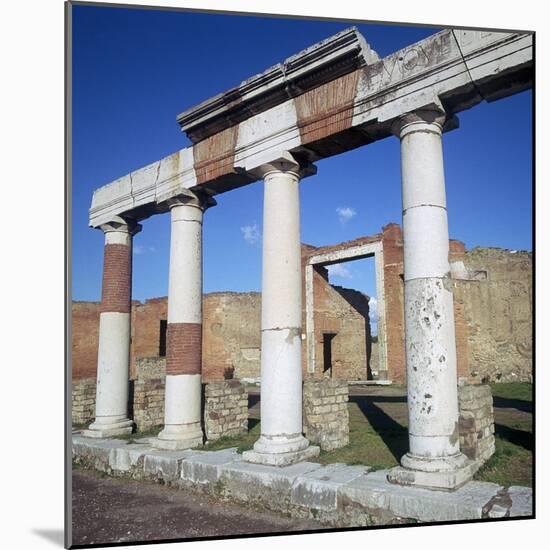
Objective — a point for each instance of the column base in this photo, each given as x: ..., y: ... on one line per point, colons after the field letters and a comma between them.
x: 179, y: 438
x: 280, y: 451
x: 102, y: 428
x: 443, y: 474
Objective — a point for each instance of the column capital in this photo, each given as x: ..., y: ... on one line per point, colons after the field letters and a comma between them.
x: 428, y: 119
x: 121, y: 225
x: 283, y: 162
x: 197, y: 199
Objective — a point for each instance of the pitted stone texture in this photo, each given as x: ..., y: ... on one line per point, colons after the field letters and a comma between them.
x: 325, y: 413
x: 476, y: 422
x: 522, y: 501
x: 225, y: 409
x: 319, y: 489
x: 96, y: 453
x: 373, y: 491
x: 166, y: 465
x: 205, y: 468
x: 268, y: 485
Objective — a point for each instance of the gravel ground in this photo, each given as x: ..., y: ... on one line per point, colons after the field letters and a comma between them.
x: 120, y: 510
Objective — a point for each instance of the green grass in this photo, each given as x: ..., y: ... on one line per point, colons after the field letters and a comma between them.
x: 513, y: 390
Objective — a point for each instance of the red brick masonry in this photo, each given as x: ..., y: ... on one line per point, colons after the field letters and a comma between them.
x: 183, y: 348
x: 117, y: 278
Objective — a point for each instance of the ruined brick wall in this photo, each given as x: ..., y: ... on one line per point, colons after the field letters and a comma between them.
x: 498, y: 311
x: 476, y: 422
x: 225, y: 409
x: 341, y: 320
x: 325, y: 413
x: 85, y: 335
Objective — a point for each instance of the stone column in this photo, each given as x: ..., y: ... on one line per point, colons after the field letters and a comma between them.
x: 281, y: 441
x: 182, y: 414
x: 434, y: 458
x: 111, y: 416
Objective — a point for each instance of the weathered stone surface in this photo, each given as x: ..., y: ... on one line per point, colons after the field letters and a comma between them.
x: 319, y: 489
x: 126, y: 458
x: 270, y: 485
x: 522, y: 501
x: 373, y: 491
x: 83, y: 400
x: 206, y: 467
x: 165, y: 465
x: 96, y: 453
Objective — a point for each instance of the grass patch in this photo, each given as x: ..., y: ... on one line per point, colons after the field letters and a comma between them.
x: 510, y: 465
x: 243, y: 442
x: 513, y: 390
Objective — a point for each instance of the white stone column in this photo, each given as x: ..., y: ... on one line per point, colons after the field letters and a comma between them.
x: 281, y: 441
x: 182, y: 415
x: 434, y: 458
x: 113, y: 359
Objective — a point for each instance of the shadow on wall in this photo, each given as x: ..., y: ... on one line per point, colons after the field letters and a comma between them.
x: 360, y: 303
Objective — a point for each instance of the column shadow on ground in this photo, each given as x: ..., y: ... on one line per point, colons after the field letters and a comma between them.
x: 517, y: 437
x: 394, y: 435
x: 507, y: 403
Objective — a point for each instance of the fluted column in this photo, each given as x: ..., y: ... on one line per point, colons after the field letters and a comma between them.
x: 114, y: 332
x: 434, y: 458
x: 182, y: 415
x: 281, y: 441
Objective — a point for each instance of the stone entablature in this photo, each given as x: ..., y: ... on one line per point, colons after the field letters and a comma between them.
x: 451, y: 70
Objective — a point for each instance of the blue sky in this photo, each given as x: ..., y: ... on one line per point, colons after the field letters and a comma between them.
x: 135, y: 70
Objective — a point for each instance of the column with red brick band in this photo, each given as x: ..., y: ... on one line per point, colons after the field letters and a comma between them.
x: 113, y: 359
x: 434, y: 458
x: 182, y: 416
x: 281, y: 441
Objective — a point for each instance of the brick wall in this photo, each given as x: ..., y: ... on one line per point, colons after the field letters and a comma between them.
x: 85, y: 337
x: 225, y: 409
x: 476, y: 422
x: 325, y: 413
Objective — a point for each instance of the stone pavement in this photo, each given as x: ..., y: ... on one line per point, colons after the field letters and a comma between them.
x: 335, y: 494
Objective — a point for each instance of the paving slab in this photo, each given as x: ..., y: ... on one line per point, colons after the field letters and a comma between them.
x: 98, y: 451
x: 522, y: 501
x: 205, y: 468
x: 271, y: 484
x: 166, y: 465
x: 374, y: 491
x: 319, y: 488
x: 125, y: 457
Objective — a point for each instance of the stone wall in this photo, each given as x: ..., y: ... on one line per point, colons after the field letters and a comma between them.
x: 225, y: 409
x: 499, y: 311
x: 148, y: 403
x: 83, y: 400
x: 476, y: 422
x: 325, y: 413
